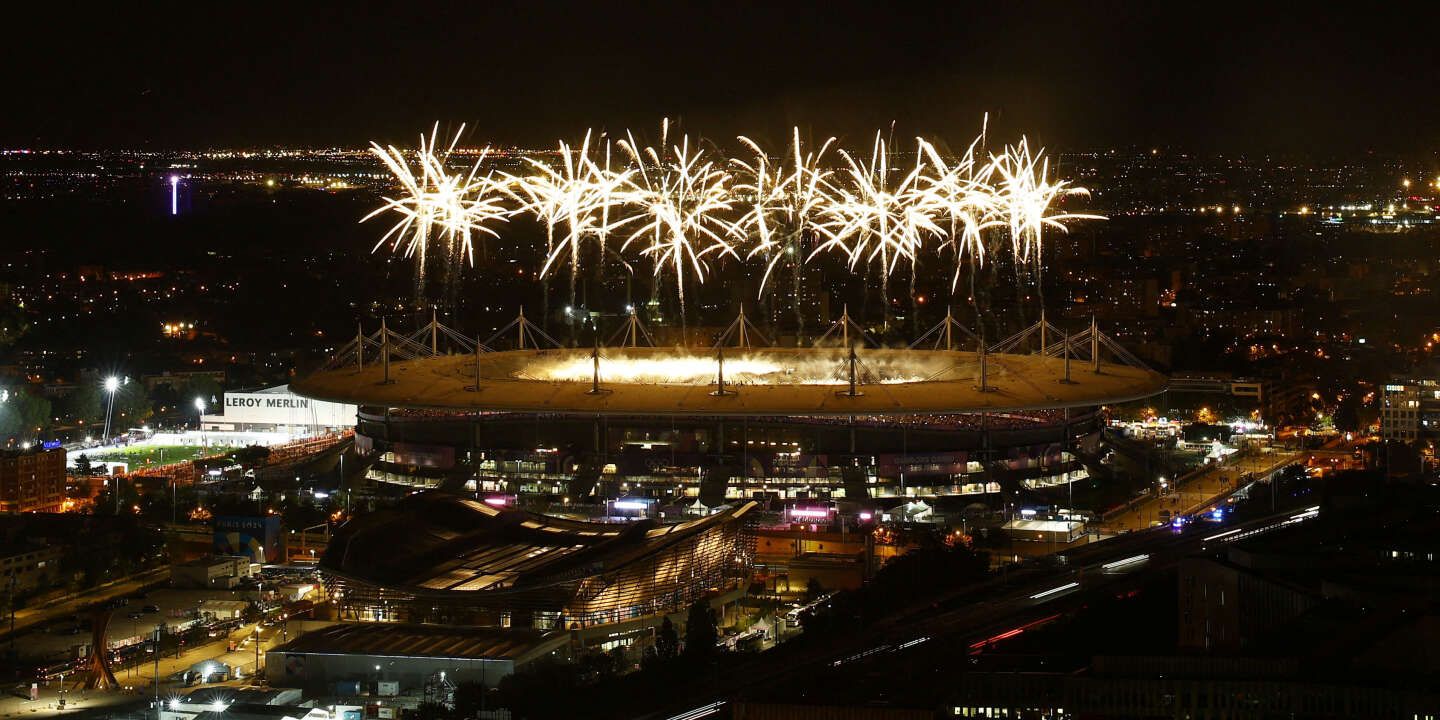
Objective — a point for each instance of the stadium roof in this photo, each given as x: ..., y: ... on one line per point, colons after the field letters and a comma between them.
x: 1015, y: 382
x: 436, y: 542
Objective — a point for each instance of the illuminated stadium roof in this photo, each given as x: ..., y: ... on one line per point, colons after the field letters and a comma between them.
x: 770, y: 381
x: 436, y: 547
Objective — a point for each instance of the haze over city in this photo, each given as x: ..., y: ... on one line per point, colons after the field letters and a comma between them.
x: 632, y: 360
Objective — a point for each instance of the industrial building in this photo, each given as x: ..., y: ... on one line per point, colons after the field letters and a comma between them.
x: 347, y: 658
x: 210, y: 572
x: 278, y: 410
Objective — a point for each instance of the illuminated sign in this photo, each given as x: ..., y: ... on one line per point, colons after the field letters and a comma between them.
x: 632, y: 504
x: 809, y: 512
x: 281, y: 407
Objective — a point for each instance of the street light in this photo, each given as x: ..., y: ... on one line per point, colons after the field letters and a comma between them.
x: 200, y: 419
x: 112, y: 384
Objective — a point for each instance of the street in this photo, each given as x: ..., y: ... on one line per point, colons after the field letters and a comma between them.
x: 31, y: 616
x: 137, y: 681
x: 1199, y: 490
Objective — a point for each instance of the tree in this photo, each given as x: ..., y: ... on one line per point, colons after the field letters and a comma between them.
x: 430, y: 711
x: 23, y: 414
x: 470, y: 699
x: 667, y: 642
x: 252, y: 456
x: 85, y: 403
x: 544, y: 688
x: 83, y: 466
x: 700, y: 630
x: 13, y: 323
x: 132, y: 406
x: 813, y: 590
x: 203, y: 387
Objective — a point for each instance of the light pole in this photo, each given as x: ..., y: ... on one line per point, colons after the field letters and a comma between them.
x: 158, y: 629
x: 200, y: 420
x: 112, y: 384
x: 1159, y: 496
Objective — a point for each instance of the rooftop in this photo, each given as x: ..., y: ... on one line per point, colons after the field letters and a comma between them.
x: 411, y: 641
x: 437, y: 542
x: 802, y: 381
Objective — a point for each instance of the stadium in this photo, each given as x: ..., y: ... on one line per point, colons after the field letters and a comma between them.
x: 618, y: 441
x: 656, y: 426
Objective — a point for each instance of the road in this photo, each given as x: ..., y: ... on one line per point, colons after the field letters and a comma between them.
x: 138, y: 681
x: 1201, y: 489
x: 31, y: 616
x: 242, y: 658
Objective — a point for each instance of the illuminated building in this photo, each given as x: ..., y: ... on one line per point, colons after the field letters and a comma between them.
x: 442, y: 558
x: 32, y: 480
x: 1410, y: 410
x: 783, y: 423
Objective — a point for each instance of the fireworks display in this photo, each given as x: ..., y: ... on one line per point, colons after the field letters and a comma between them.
x: 680, y: 201
x: 578, y: 195
x: 753, y: 367
x: 438, y: 206
x: 785, y: 201
x: 875, y: 217
x: 681, y: 207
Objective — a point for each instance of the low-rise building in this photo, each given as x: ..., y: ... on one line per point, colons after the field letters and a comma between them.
x: 211, y: 571
x: 224, y: 609
x: 277, y: 409
x: 366, y: 654
x: 29, y: 568
x: 240, y: 701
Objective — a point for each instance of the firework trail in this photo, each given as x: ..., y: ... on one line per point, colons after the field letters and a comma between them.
x: 438, y: 206
x: 677, y: 203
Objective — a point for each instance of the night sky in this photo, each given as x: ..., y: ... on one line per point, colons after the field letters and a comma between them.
x: 1200, y: 76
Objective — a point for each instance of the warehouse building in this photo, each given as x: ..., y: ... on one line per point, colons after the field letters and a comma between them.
x: 278, y: 410
x: 345, y: 658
